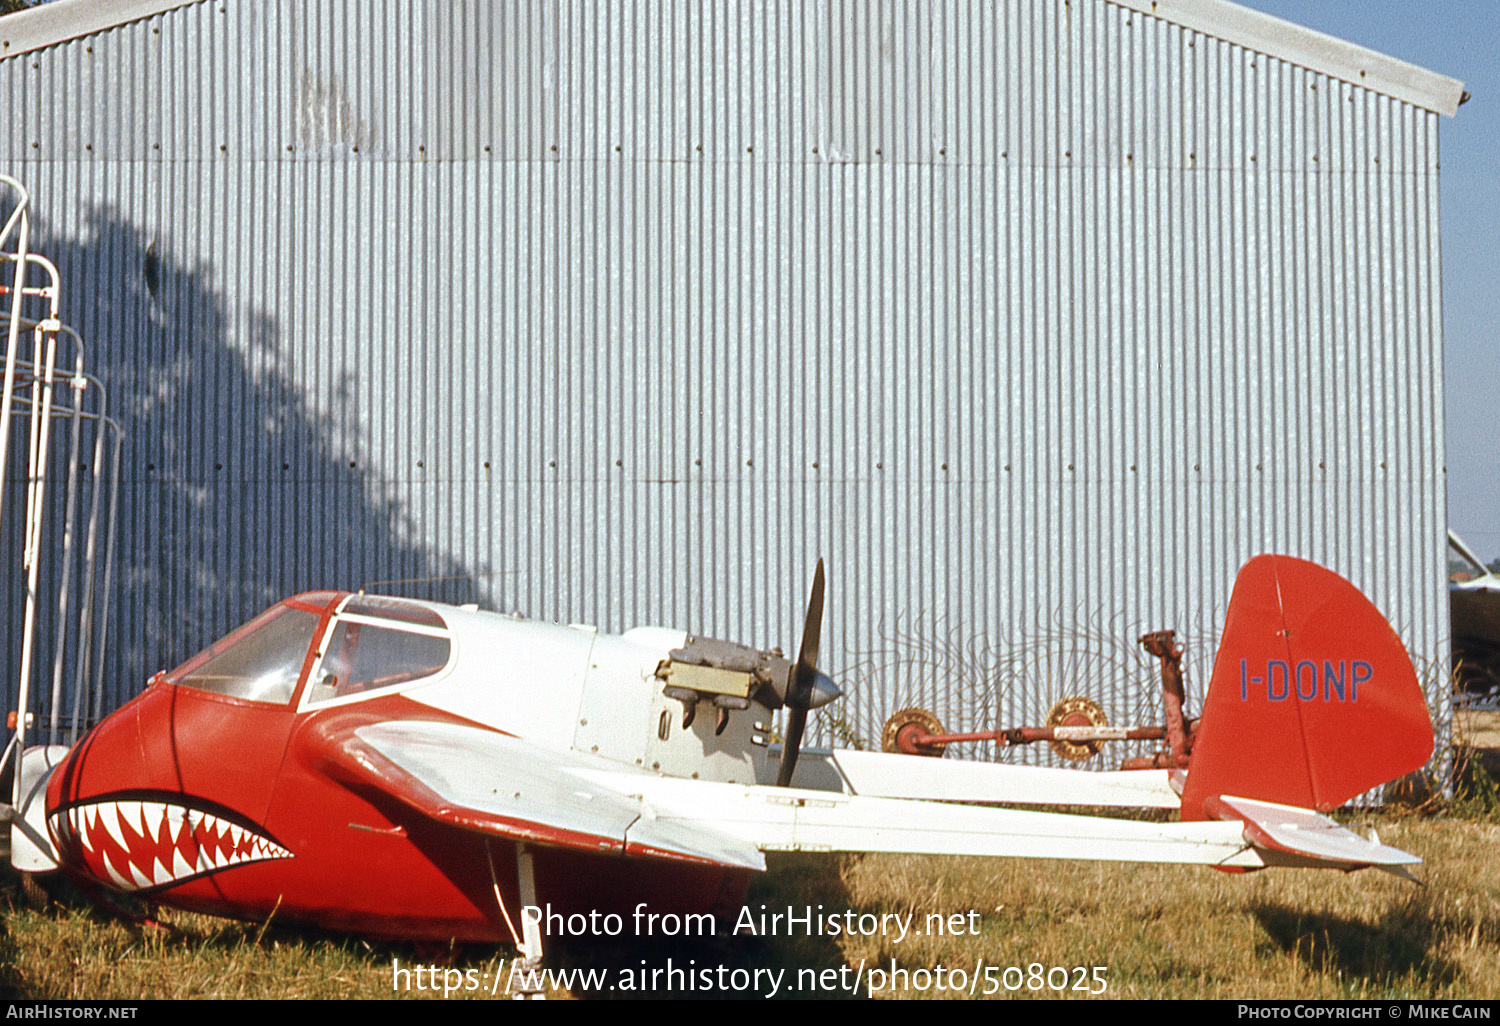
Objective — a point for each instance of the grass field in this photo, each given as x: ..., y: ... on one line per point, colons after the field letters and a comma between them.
x: 1161, y: 932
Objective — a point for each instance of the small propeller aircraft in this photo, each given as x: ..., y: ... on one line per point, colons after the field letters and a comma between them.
x: 408, y: 770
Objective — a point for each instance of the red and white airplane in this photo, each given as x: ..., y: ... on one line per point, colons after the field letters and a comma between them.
x: 403, y: 769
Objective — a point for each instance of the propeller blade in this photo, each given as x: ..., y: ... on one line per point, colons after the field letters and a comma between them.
x: 796, y: 719
x: 812, y: 627
x: 804, y: 678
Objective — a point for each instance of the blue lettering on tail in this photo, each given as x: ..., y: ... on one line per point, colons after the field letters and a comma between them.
x: 1312, y: 680
x: 1337, y: 681
x: 1272, y: 692
x: 1333, y: 680
x: 1360, y: 671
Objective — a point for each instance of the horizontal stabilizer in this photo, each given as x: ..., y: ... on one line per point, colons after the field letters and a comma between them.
x: 1287, y: 835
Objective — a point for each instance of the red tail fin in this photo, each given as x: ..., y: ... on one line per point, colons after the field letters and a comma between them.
x: 1313, y: 698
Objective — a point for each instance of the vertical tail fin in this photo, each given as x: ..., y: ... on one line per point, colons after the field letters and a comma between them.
x: 1313, y: 698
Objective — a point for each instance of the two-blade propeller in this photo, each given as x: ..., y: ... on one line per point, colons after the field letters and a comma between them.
x: 806, y: 688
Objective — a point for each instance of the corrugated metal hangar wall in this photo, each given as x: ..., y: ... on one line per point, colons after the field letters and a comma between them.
x: 1036, y: 319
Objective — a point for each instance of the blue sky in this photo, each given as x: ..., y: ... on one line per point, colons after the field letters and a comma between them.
x: 1461, y: 39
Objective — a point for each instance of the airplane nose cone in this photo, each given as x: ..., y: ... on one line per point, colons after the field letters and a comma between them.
x: 108, y: 758
x: 824, y: 690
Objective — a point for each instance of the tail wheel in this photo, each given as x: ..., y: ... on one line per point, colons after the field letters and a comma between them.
x: 1077, y: 712
x: 903, y: 730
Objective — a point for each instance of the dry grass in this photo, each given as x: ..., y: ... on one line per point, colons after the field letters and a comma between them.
x: 1163, y: 932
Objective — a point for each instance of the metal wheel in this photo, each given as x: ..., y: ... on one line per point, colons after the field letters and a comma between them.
x: 902, y: 730
x: 1077, y: 712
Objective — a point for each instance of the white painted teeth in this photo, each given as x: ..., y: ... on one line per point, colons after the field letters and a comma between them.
x: 110, y: 814
x: 156, y: 835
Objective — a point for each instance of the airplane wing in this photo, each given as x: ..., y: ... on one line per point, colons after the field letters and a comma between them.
x: 479, y: 780
x: 493, y: 783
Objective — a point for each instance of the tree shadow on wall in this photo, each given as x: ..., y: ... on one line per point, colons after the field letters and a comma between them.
x: 235, y: 489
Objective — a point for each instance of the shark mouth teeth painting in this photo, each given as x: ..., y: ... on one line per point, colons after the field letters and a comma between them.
x: 141, y: 844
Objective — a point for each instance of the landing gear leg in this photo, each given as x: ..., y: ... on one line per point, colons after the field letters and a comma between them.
x: 530, y: 972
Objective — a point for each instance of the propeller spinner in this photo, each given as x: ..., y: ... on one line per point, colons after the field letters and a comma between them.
x: 806, y: 688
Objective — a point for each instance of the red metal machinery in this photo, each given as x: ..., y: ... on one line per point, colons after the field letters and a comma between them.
x: 1076, y: 728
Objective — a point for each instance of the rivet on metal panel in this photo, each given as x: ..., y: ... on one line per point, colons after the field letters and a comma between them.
x: 879, y: 466
x: 551, y: 463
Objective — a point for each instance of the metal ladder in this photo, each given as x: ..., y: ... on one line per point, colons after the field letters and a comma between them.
x: 36, y: 388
